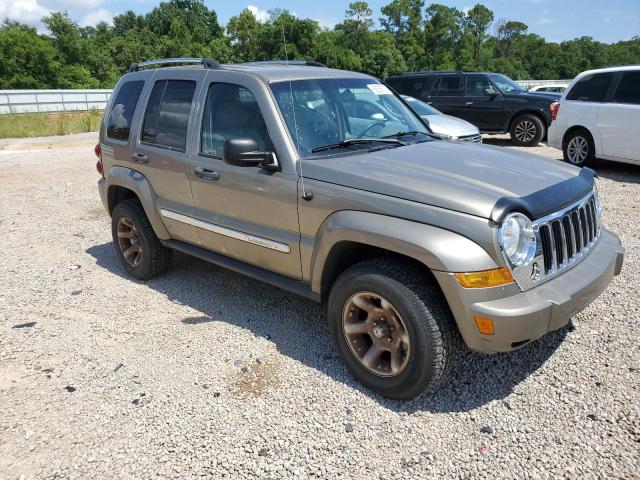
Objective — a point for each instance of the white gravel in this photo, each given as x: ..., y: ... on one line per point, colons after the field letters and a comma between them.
x: 206, y: 373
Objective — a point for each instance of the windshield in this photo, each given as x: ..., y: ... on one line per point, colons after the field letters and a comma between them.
x: 324, y: 112
x: 505, y: 84
x: 420, y: 107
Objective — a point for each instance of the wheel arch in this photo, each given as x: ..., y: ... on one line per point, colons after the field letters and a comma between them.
x: 348, y: 237
x: 575, y: 128
x: 529, y: 111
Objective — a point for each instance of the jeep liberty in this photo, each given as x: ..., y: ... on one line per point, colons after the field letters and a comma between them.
x: 414, y: 244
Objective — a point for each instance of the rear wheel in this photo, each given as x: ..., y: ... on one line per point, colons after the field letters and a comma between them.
x: 392, y: 327
x: 137, y: 245
x: 527, y: 130
x: 579, y: 149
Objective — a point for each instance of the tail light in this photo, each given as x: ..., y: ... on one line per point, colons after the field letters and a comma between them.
x: 555, y: 107
x: 98, y: 152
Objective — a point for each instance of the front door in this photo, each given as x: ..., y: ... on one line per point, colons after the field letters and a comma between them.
x: 248, y: 213
x: 161, y: 154
x: 484, y: 105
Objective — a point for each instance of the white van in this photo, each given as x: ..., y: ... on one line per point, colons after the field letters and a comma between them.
x: 598, y: 116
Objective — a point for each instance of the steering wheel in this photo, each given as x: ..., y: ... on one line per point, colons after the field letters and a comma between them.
x: 382, y: 123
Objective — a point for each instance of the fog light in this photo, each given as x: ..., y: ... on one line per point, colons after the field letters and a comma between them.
x: 484, y: 324
x: 486, y: 278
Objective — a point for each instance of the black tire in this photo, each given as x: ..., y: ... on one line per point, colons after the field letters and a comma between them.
x: 579, y: 149
x: 434, y: 337
x: 527, y: 130
x: 154, y: 258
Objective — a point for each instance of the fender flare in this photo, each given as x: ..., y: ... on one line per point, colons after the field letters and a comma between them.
x: 138, y: 184
x: 436, y: 248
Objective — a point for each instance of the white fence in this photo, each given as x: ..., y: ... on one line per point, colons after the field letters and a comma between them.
x: 32, y: 101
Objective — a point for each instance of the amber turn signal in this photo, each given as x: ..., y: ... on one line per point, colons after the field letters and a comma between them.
x: 486, y: 278
x: 484, y: 324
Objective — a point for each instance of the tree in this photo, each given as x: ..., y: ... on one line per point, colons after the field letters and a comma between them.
x: 403, y: 19
x: 476, y: 23
x: 442, y: 32
x: 202, y: 23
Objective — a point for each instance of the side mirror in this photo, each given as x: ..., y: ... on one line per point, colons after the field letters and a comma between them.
x: 244, y: 152
x: 377, y: 116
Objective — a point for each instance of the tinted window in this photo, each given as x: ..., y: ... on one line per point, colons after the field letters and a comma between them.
x: 449, y: 86
x: 231, y: 111
x: 628, y: 90
x: 122, y: 110
x: 591, y: 88
x: 418, y: 86
x: 477, y: 86
x: 167, y: 115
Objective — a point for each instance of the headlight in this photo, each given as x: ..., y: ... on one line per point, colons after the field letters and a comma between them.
x: 517, y: 239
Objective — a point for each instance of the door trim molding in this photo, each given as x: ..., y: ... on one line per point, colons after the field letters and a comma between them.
x: 227, y: 232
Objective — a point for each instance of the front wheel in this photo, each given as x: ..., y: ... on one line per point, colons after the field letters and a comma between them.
x: 392, y: 327
x: 527, y: 130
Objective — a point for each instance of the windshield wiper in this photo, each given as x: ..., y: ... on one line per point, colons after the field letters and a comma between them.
x: 356, y: 141
x: 405, y: 134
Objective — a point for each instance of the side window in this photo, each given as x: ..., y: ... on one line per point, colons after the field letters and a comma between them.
x: 449, y: 86
x: 628, y: 90
x: 591, y: 88
x: 124, y: 106
x: 231, y: 111
x: 477, y: 86
x: 167, y: 115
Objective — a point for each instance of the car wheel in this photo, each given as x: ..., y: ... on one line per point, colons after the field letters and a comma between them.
x: 579, y: 149
x: 137, y: 246
x: 527, y: 130
x: 393, y: 328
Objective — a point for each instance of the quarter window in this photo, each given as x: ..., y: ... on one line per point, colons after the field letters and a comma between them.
x: 122, y: 110
x: 592, y: 88
x: 449, y: 86
x: 628, y: 90
x: 231, y: 111
x: 167, y: 115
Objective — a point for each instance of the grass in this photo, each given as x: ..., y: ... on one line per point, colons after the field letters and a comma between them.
x: 47, y: 124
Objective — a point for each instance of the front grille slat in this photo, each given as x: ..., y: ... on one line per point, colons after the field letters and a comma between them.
x: 567, y: 235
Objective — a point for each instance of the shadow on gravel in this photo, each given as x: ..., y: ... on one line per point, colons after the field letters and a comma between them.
x: 298, y: 328
x: 619, y: 172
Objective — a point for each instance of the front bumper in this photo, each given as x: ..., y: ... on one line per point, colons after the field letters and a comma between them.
x: 520, y: 317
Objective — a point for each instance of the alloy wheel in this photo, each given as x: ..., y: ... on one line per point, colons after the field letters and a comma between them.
x: 578, y: 150
x: 525, y: 131
x: 376, y: 334
x: 129, y: 241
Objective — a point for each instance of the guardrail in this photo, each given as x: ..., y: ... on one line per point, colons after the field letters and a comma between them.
x: 34, y: 101
x: 534, y: 83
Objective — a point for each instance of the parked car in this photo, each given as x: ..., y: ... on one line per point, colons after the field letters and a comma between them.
x: 491, y: 101
x: 598, y: 116
x: 444, y: 126
x: 551, y: 88
x: 413, y: 243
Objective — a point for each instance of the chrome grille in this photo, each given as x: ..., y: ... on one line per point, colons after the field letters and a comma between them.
x: 563, y: 239
x: 566, y: 235
x: 477, y: 138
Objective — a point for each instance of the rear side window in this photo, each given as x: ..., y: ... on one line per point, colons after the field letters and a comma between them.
x: 449, y: 86
x: 417, y: 87
x: 167, y: 115
x: 592, y: 88
x: 122, y: 110
x: 628, y: 90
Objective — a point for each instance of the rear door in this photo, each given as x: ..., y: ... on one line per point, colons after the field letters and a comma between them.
x: 484, y: 105
x: 619, y: 119
x: 160, y: 153
x: 446, y: 95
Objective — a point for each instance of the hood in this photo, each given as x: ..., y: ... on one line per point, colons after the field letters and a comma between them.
x: 464, y: 177
x: 549, y: 97
x: 446, y: 125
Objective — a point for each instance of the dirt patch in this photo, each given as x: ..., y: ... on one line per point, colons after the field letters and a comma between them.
x: 257, y: 378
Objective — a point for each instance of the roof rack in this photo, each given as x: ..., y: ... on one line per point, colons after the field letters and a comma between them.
x: 307, y: 63
x: 210, y: 64
x: 432, y: 71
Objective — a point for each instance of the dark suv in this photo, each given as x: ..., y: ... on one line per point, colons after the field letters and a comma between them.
x: 491, y: 101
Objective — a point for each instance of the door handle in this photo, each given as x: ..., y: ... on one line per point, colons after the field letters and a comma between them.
x: 468, y: 103
x: 140, y: 158
x: 429, y: 103
x: 206, y: 173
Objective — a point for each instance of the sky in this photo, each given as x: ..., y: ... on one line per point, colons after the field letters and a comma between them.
x: 556, y: 20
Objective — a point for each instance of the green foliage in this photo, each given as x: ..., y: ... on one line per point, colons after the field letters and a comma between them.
x: 413, y: 36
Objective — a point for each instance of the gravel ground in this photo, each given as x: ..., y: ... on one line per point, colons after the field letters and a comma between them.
x: 206, y: 373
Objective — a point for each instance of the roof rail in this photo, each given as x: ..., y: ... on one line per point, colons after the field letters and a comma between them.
x: 210, y: 64
x: 307, y: 63
x: 431, y: 71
